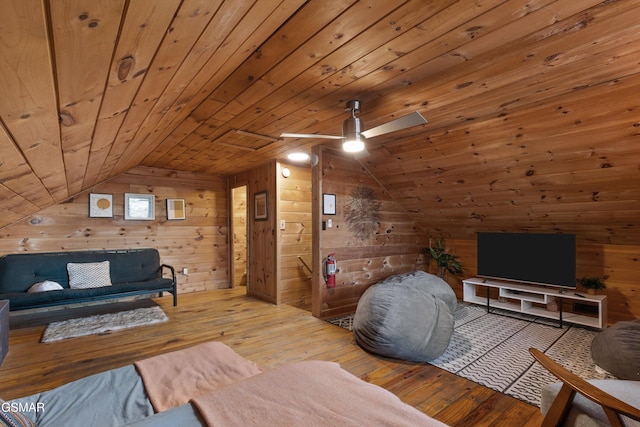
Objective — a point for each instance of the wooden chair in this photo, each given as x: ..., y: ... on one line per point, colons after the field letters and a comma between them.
x: 572, y: 384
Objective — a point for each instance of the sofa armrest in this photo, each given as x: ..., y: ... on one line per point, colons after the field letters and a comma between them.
x: 173, y: 279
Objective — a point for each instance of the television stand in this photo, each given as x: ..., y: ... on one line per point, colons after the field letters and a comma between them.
x: 532, y: 300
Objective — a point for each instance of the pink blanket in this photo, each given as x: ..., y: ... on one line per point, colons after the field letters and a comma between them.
x: 312, y: 393
x: 172, y: 379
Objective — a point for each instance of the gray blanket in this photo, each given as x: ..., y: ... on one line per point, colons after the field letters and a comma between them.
x: 91, y: 401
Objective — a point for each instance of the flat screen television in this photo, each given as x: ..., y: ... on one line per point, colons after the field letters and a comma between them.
x: 535, y: 258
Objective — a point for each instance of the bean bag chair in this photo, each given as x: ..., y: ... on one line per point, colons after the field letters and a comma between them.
x: 617, y: 350
x: 407, y: 316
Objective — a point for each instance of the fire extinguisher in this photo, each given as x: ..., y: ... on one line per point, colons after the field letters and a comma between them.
x: 329, y: 270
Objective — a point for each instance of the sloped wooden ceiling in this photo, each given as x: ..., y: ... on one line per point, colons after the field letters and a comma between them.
x: 532, y: 105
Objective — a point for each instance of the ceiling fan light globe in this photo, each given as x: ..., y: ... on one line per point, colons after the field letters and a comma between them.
x: 351, y: 129
x: 353, y: 145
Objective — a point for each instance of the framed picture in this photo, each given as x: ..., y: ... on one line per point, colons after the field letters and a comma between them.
x: 139, y: 206
x: 328, y: 204
x: 100, y: 205
x: 260, y: 211
x: 176, y: 209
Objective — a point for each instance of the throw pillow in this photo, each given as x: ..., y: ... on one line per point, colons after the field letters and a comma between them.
x: 45, y: 286
x: 10, y: 417
x: 88, y: 275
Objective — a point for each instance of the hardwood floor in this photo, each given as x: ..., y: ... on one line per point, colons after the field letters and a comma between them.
x: 267, y: 334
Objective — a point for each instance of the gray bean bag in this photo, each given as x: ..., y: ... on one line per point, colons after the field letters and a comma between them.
x: 407, y: 316
x: 617, y: 350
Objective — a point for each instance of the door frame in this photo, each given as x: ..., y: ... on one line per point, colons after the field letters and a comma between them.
x: 232, y: 227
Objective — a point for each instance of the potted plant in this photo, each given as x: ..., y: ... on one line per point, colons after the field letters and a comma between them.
x: 446, y: 262
x: 591, y: 284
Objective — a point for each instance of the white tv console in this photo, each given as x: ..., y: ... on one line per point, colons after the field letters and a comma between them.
x: 532, y: 300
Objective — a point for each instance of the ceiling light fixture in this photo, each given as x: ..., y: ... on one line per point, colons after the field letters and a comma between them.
x: 298, y: 157
x: 303, y: 157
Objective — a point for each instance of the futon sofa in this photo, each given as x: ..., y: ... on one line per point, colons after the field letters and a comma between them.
x: 34, y: 280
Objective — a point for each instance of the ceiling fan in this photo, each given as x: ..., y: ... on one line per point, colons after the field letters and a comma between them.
x: 353, y: 134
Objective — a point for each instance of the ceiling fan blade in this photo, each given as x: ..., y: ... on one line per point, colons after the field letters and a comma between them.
x: 308, y: 135
x: 404, y: 122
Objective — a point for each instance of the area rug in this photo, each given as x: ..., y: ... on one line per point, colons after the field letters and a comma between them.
x: 493, y: 350
x: 103, y: 323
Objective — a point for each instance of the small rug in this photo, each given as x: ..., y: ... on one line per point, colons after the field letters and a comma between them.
x: 493, y: 350
x: 103, y: 323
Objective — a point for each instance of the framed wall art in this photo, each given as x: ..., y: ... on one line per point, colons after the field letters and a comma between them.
x: 139, y: 206
x: 176, y: 209
x: 100, y: 205
x: 260, y: 205
x: 328, y: 204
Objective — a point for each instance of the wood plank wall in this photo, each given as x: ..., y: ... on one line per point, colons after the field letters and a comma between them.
x: 200, y: 242
x: 394, y: 248
x: 294, y: 200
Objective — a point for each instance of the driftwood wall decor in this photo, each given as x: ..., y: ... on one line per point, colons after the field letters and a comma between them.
x: 362, y: 212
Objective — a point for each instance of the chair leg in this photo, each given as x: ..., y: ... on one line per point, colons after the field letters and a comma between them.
x: 559, y: 408
x: 613, y: 417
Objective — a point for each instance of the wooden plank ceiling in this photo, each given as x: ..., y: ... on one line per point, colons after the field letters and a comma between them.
x: 532, y: 104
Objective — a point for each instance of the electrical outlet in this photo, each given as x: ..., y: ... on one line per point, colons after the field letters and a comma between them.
x: 185, y: 270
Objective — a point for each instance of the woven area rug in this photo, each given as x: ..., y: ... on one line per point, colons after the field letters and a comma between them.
x: 103, y: 323
x: 493, y: 350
